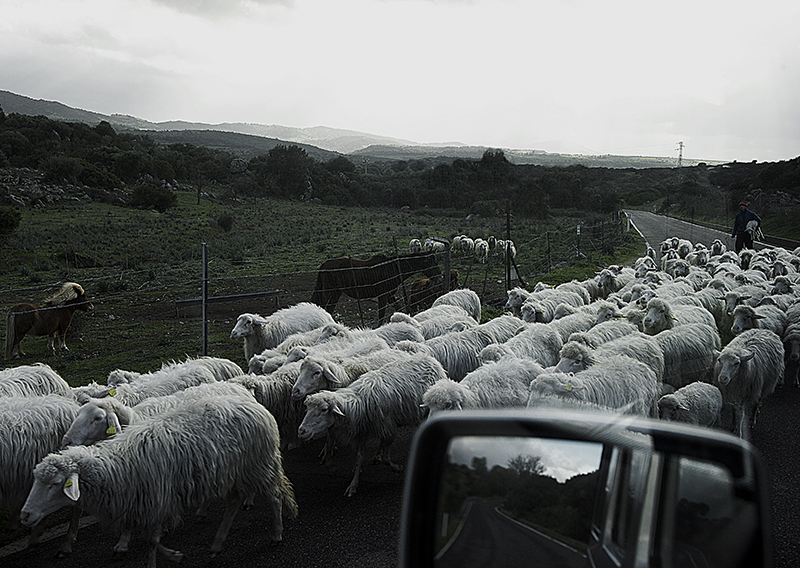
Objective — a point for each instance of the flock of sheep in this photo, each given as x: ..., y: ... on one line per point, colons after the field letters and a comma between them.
x: 703, y: 337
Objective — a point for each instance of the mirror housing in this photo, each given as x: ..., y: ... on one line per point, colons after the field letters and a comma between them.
x: 664, y: 494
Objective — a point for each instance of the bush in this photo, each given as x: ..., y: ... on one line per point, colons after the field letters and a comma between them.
x: 9, y: 220
x: 225, y: 222
x: 152, y: 196
x: 58, y: 169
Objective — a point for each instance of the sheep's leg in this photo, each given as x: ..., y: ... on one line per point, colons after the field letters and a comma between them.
x: 234, y: 504
x: 326, y: 455
x: 351, y: 489
x: 124, y: 540
x: 202, y: 510
x: 277, y: 519
x: 248, y: 503
x: 72, y: 533
x: 384, y: 455
x: 155, y: 546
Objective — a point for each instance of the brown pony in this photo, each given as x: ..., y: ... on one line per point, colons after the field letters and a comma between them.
x: 51, y: 319
x: 377, y: 277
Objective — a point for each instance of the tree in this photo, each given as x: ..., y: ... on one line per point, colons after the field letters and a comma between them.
x: 526, y: 465
x: 9, y: 220
x: 286, y: 169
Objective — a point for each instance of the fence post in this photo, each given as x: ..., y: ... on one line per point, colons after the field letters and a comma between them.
x: 204, y: 299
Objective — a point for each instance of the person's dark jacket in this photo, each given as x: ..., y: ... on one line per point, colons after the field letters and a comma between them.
x: 742, y: 218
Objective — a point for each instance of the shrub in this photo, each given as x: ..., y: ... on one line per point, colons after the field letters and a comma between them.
x: 9, y: 220
x: 225, y: 222
x: 152, y: 196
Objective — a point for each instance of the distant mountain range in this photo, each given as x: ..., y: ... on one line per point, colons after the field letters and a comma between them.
x: 320, y: 142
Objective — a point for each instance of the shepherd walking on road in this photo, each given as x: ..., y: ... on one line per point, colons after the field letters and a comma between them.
x: 744, y: 227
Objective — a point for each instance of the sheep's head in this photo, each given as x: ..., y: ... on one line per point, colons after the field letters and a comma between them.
x: 322, y: 408
x: 669, y: 407
x: 729, y: 366
x: 246, y: 325
x: 744, y: 318
x: 659, y: 316
x: 575, y: 357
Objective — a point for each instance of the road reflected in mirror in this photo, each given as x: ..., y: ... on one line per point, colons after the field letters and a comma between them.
x: 517, y: 502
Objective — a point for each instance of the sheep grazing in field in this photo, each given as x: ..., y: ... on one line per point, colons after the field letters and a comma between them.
x: 760, y: 317
x: 32, y: 380
x: 260, y: 333
x: 746, y: 372
x: 621, y: 383
x: 218, y: 368
x: 373, y: 407
x: 697, y: 403
x: 147, y: 477
x: 493, y: 385
x: 437, y: 321
x: 323, y: 373
x: 101, y: 418
x: 31, y: 427
x: 464, y: 298
x: 577, y: 357
x: 662, y: 315
x: 274, y: 392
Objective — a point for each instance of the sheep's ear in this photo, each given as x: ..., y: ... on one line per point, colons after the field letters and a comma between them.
x: 758, y: 316
x: 746, y: 356
x: 112, y: 423
x: 329, y: 376
x: 71, y: 488
x: 337, y: 410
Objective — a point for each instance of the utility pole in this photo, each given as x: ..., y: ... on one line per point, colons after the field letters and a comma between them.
x: 680, y: 154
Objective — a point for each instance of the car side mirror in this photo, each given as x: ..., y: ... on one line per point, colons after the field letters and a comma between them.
x: 546, y: 487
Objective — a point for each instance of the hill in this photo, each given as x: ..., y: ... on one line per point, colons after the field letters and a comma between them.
x: 321, y: 142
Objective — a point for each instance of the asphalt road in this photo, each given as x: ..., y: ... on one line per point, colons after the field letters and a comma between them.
x: 362, y: 531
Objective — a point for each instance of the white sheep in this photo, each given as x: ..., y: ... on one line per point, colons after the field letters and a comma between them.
x: 516, y: 297
x: 390, y: 332
x: 791, y: 346
x: 749, y: 295
x: 462, y: 297
x: 31, y: 427
x: 760, y: 317
x: 621, y: 383
x: 274, y: 392
x: 718, y: 247
x: 169, y: 379
x: 493, y: 385
x: 541, y: 307
x: 662, y: 315
x: 746, y: 372
x: 101, y: 418
x: 689, y: 353
x: 324, y: 373
x: 538, y: 341
x: 696, y: 403
x: 260, y: 333
x: 32, y: 380
x: 437, y: 321
x: 414, y: 246
x: 481, y: 250
x: 374, y: 406
x: 270, y: 359
x: 456, y: 351
x: 603, y: 332
x: 219, y: 368
x: 577, y: 357
x: 582, y: 320
x: 149, y: 475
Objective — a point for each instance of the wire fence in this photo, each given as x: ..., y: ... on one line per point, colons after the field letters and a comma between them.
x: 143, y: 318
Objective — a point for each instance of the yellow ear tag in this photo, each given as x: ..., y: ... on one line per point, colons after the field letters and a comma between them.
x: 68, y: 483
x: 112, y: 392
x: 111, y: 430
x: 568, y: 387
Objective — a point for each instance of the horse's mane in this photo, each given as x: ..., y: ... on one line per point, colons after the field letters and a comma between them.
x: 69, y: 291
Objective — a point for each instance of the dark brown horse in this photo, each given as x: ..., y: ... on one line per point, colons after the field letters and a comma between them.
x: 377, y: 277
x: 51, y: 318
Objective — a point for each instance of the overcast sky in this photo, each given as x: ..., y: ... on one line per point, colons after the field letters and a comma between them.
x: 629, y: 77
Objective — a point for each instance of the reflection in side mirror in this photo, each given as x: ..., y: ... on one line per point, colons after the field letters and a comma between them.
x: 555, y: 488
x: 505, y: 499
